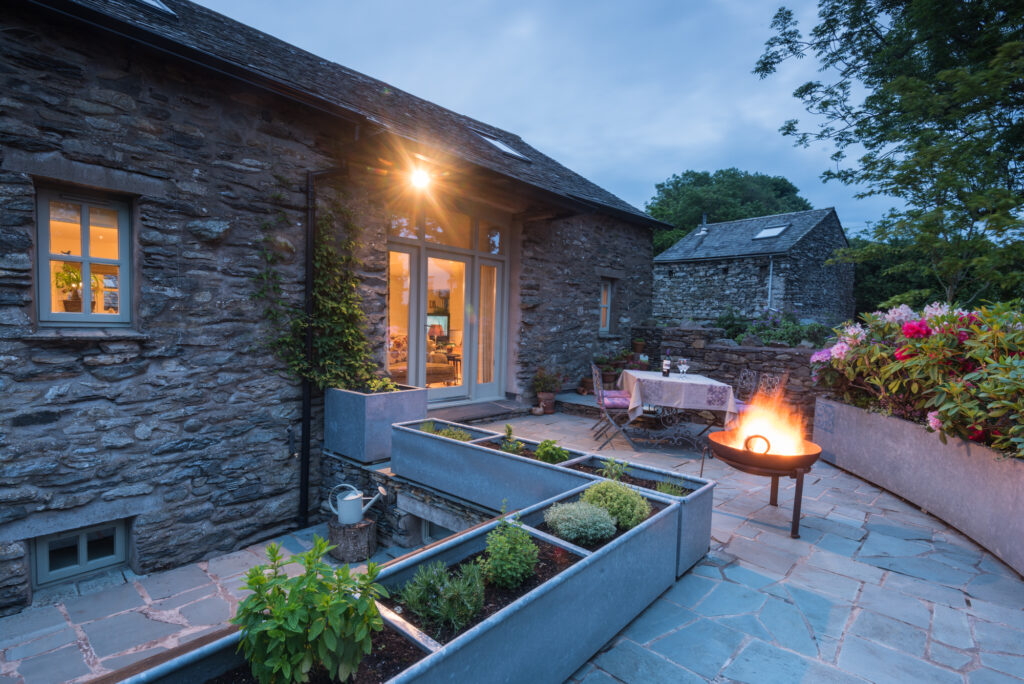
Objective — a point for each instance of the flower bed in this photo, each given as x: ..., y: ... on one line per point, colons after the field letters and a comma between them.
x: 959, y: 373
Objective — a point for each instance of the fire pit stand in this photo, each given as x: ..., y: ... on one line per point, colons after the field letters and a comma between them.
x: 762, y: 463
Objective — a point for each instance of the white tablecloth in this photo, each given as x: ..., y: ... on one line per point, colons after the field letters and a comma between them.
x: 688, y: 391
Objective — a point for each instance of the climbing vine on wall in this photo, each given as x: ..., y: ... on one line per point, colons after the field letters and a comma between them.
x: 341, y: 352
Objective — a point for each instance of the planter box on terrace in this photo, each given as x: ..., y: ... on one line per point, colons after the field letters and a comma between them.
x: 358, y: 425
x: 973, y: 488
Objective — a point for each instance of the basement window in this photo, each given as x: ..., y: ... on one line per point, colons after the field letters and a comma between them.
x: 68, y: 555
x: 504, y: 147
x: 771, y: 231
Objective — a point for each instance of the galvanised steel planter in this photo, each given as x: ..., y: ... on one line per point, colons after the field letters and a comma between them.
x: 548, y: 633
x: 358, y: 425
x: 694, y: 508
x: 975, y: 489
x: 475, y: 473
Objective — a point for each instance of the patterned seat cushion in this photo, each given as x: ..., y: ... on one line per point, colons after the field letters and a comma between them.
x: 616, y: 402
x: 616, y: 393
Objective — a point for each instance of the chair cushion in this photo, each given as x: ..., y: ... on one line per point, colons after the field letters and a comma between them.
x: 616, y: 402
x: 616, y: 393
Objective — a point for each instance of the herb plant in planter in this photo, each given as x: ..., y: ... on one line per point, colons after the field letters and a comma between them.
x: 444, y: 599
x: 549, y: 452
x: 545, y: 384
x: 511, y: 555
x: 323, y: 617
x: 626, y: 505
x: 580, y: 522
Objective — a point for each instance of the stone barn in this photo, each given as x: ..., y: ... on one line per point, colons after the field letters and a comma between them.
x: 756, y: 265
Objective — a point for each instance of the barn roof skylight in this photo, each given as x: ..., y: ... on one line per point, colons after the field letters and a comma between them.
x: 771, y: 231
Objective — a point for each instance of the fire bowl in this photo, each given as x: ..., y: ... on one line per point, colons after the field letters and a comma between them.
x: 753, y: 458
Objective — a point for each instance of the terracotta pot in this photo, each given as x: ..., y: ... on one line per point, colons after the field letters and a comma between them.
x: 638, y: 346
x: 609, y: 377
x: 546, y: 401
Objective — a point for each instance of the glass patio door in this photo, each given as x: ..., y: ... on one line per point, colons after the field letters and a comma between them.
x: 447, y: 326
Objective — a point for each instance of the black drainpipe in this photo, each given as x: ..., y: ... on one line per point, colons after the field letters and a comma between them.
x: 307, y: 389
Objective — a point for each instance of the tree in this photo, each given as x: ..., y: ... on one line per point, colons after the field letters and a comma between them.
x: 725, y: 195
x: 930, y: 93
x: 887, y: 275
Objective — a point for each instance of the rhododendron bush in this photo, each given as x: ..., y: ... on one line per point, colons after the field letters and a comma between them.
x: 958, y: 372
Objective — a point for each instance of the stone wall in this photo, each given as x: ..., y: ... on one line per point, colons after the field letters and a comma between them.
x: 180, y: 422
x: 563, y: 262
x: 801, y: 283
x: 723, y: 360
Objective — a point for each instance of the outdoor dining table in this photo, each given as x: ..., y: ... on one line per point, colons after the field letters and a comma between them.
x: 673, y: 394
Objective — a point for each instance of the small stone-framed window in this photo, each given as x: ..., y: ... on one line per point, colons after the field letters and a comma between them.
x: 607, y: 292
x: 66, y: 555
x: 83, y: 259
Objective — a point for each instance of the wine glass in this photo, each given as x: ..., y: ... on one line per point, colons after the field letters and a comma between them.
x: 684, y: 365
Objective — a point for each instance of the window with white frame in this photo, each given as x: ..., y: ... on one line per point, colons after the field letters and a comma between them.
x: 607, y: 290
x: 84, y: 259
x: 67, y: 555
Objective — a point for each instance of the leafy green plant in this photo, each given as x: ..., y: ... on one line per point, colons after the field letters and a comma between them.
x: 732, y: 323
x: 580, y: 522
x: 509, y: 443
x: 613, y: 470
x: 324, y: 616
x: 342, y: 356
x: 549, y: 452
x: 545, y: 381
x: 511, y: 555
x: 443, y: 598
x: 69, y: 279
x: 625, y: 505
x: 670, y: 488
x: 449, y: 432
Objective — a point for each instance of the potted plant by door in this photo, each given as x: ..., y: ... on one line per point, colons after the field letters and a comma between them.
x: 545, y: 384
x: 639, y: 345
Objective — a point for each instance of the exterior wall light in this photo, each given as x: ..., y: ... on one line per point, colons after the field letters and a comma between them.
x: 419, y: 178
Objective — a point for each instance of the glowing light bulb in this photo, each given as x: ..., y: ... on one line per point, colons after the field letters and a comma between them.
x: 419, y: 178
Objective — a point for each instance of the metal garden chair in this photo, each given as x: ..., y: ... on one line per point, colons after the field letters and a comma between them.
x: 614, y: 406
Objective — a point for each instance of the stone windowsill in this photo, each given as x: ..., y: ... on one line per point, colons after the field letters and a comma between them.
x: 84, y: 335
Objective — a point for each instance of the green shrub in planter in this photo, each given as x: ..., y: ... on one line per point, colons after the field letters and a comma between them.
x: 510, y: 444
x: 670, y: 488
x: 511, y: 555
x: 626, y: 505
x: 324, y: 616
x: 449, y: 432
x: 580, y: 522
x: 443, y: 598
x: 549, y: 452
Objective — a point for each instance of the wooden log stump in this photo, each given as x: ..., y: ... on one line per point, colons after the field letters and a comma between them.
x: 354, y: 543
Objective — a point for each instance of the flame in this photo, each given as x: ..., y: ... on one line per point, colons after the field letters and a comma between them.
x: 773, y: 419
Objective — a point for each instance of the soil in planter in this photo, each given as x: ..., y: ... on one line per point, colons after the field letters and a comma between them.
x: 551, y: 560
x: 629, y: 479
x: 391, y: 654
x: 655, y: 507
x: 524, y: 452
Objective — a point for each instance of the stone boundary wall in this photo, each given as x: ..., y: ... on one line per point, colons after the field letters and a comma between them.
x: 712, y: 355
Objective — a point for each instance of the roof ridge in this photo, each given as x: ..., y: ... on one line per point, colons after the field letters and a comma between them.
x: 768, y: 216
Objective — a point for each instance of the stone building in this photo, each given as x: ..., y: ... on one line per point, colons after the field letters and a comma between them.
x: 756, y: 265
x: 150, y: 153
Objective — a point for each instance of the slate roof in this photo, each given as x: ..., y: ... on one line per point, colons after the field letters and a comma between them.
x: 203, y: 32
x: 734, y: 239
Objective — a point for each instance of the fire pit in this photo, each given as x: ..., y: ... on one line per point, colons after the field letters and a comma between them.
x: 769, y: 441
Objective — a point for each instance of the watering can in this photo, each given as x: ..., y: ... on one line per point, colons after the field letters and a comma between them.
x: 350, y: 508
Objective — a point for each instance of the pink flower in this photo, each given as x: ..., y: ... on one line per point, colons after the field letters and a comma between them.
x: 975, y: 434
x: 853, y: 334
x: 821, y: 355
x: 839, y: 350
x: 899, y: 314
x: 936, y: 309
x: 933, y: 421
x: 912, y: 329
x: 904, y: 354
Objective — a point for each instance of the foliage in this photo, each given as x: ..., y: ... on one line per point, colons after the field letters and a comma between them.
x: 888, y: 274
x: 931, y: 92
x: 341, y: 352
x: 324, y: 616
x: 613, y: 470
x: 450, y: 432
x: 580, y: 522
x: 725, y: 195
x: 734, y: 325
x: 69, y: 279
x: 510, y: 444
x: 544, y: 381
x: 626, y: 505
x: 786, y: 329
x: 549, y: 452
x: 959, y: 372
x: 670, y: 488
x: 511, y: 555
x: 445, y: 599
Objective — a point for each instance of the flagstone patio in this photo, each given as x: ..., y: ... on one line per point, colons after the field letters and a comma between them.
x: 874, y: 590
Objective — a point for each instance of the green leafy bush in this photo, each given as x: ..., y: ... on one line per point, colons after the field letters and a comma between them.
x: 958, y: 372
x: 443, y: 598
x: 545, y: 381
x: 510, y: 444
x: 450, y: 432
x: 626, y: 505
x: 549, y: 452
x: 580, y: 522
x: 732, y: 323
x: 774, y: 327
x: 511, y: 555
x: 613, y: 470
x: 324, y: 616
x: 670, y: 488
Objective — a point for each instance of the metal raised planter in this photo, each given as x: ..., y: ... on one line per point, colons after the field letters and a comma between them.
x: 358, y: 425
x: 547, y: 634
x: 694, y: 508
x: 475, y: 473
